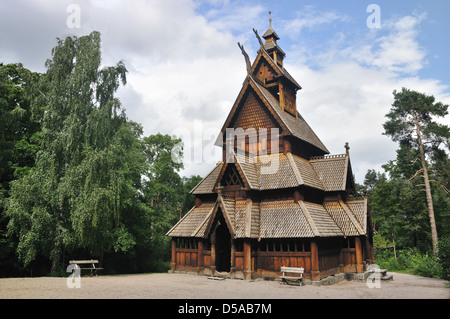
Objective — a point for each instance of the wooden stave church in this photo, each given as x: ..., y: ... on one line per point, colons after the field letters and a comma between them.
x: 248, y: 221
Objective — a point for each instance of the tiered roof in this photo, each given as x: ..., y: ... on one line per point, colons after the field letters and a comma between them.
x: 277, y: 171
x: 295, y: 126
x: 326, y: 174
x: 276, y: 219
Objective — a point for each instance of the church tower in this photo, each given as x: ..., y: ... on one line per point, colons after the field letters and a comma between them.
x: 277, y: 198
x: 268, y: 68
x: 268, y: 101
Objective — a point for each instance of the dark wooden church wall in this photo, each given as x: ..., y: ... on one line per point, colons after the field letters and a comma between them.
x: 301, y: 148
x: 251, y: 119
x: 273, y: 261
x: 271, y: 254
x: 186, y: 254
x: 329, y: 255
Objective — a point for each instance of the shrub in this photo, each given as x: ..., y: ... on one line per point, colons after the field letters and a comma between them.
x: 385, y: 259
x: 444, y: 257
x: 427, y: 266
x: 413, y: 261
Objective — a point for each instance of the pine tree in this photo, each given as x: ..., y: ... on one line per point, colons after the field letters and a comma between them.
x: 411, y: 122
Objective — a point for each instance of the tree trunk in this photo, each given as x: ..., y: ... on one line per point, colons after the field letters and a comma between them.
x: 393, y: 242
x: 434, y: 237
x: 56, y: 255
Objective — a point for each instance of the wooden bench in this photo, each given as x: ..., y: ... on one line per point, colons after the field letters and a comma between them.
x: 293, y: 270
x: 90, y: 262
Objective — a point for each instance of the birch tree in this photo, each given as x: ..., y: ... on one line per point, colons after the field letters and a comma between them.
x: 89, y: 164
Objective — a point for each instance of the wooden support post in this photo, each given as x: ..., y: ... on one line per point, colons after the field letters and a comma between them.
x: 247, y: 259
x: 369, y: 252
x: 233, y: 260
x: 200, y: 257
x: 213, y: 254
x: 359, y: 258
x: 315, y: 273
x: 298, y: 196
x: 259, y: 266
x: 174, y: 254
x: 198, y: 202
x: 287, y: 148
x: 281, y: 95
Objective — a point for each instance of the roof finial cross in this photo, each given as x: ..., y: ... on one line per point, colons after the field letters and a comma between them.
x: 270, y: 19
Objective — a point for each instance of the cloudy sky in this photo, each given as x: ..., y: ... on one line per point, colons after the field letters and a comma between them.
x: 186, y: 70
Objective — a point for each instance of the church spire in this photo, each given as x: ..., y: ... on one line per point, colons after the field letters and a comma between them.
x: 268, y: 69
x: 271, y: 45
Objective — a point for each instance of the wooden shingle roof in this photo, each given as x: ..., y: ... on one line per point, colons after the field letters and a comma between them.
x: 193, y: 224
x: 290, y: 125
x: 297, y: 126
x: 359, y: 209
x: 281, y: 71
x: 308, y: 175
x: 332, y: 171
x: 247, y: 219
x: 284, y: 219
x: 206, y: 185
x: 270, y: 33
x: 276, y: 171
x: 276, y: 219
x: 345, y: 218
x: 325, y: 225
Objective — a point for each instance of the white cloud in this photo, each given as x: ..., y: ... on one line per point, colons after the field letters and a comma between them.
x: 310, y: 17
x: 185, y: 70
x: 346, y: 99
x: 227, y: 19
x: 397, y: 51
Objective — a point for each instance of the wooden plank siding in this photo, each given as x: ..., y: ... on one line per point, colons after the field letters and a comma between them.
x: 349, y: 259
x: 186, y: 257
x: 269, y: 263
x: 298, y: 213
x: 334, y: 255
x: 251, y: 119
x: 329, y: 256
x: 207, y: 258
x: 273, y: 261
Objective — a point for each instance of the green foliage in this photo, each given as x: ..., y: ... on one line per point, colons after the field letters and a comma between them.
x: 399, y: 215
x: 19, y: 125
x: 384, y: 257
x: 373, y: 179
x: 19, y: 142
x: 89, y: 164
x: 425, y: 265
x: 162, y: 188
x: 124, y: 240
x: 410, y: 106
x: 381, y: 242
x: 408, y: 260
x: 86, y: 183
x: 444, y: 256
x: 188, y: 184
x: 400, y: 207
x: 77, y: 178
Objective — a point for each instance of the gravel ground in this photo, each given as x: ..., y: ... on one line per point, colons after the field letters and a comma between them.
x: 185, y: 286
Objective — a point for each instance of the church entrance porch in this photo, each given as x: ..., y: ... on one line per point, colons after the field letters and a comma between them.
x: 223, y: 246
